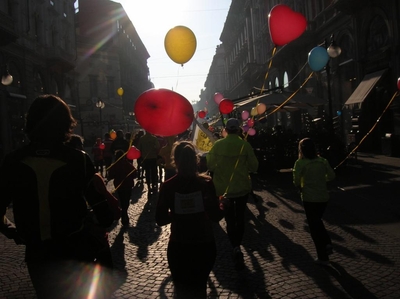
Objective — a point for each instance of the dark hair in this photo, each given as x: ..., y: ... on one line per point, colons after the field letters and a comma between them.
x: 307, y: 149
x: 185, y: 158
x: 118, y: 154
x: 49, y: 119
x: 75, y: 141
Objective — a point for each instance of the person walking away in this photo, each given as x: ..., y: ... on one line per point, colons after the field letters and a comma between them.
x: 149, y: 148
x: 189, y: 203
x: 139, y: 161
x: 119, y: 143
x: 97, y: 152
x: 107, y: 154
x: 123, y: 173
x: 310, y: 174
x: 104, y: 256
x: 52, y: 186
x: 165, y: 154
x: 231, y: 160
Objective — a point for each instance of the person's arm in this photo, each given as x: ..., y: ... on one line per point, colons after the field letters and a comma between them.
x: 163, y: 214
x: 94, y: 198
x: 297, y: 174
x: 212, y: 204
x: 210, y: 159
x: 330, y: 173
x: 7, y: 227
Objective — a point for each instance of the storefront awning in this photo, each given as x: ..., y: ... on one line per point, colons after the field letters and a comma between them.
x: 364, y: 88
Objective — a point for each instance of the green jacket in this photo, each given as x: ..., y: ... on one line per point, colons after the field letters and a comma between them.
x: 311, y: 176
x: 231, y: 160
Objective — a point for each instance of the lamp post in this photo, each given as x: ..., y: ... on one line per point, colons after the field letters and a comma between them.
x: 120, y: 92
x: 333, y: 52
x: 100, y: 104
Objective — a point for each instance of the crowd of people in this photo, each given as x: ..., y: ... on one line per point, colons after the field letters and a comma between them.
x: 61, y: 239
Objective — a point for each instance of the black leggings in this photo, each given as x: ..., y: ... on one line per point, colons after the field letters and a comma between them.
x: 190, y: 265
x: 234, y: 218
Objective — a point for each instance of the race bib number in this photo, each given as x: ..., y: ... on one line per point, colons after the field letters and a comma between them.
x: 189, y: 203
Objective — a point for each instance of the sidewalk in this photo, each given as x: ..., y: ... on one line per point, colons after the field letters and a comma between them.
x: 277, y: 247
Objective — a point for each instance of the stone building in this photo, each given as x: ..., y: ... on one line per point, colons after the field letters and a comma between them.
x: 355, y: 86
x: 37, y: 47
x: 111, y: 68
x: 77, y: 52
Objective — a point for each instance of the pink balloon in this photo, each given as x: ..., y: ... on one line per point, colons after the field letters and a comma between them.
x: 218, y: 97
x: 398, y: 83
x: 285, y: 25
x: 252, y: 132
x: 245, y: 114
x: 250, y: 122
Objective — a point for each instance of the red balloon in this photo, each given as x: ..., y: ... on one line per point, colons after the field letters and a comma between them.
x: 163, y: 112
x: 102, y: 146
x: 133, y: 153
x: 202, y: 114
x: 398, y: 83
x: 226, y: 106
x: 285, y: 25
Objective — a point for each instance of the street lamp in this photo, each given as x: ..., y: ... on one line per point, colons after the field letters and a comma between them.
x: 100, y: 104
x: 6, y: 78
x: 333, y: 52
x: 120, y: 92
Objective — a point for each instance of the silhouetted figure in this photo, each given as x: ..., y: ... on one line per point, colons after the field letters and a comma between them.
x: 310, y: 174
x: 188, y: 202
x: 52, y: 187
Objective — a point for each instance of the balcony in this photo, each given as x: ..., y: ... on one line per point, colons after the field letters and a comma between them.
x: 59, y: 60
x: 7, y: 31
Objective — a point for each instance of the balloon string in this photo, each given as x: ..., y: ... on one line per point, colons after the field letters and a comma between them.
x: 177, y: 79
x: 267, y: 73
x: 290, y: 97
x: 369, y: 132
x: 263, y: 86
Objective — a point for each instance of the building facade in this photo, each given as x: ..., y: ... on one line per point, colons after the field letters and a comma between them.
x: 111, y: 69
x: 37, y: 47
x: 79, y: 53
x: 356, y: 86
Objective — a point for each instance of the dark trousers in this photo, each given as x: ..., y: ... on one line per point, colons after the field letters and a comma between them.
x: 234, y: 218
x: 124, y: 196
x: 150, y: 168
x: 190, y: 265
x: 314, y: 212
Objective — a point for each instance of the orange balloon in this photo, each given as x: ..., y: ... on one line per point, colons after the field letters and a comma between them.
x: 113, y: 135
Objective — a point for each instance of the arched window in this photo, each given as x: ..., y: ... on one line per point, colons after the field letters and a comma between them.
x: 378, y: 35
x: 38, y: 83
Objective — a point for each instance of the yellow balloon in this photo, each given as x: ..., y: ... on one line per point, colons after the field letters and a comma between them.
x: 261, y: 108
x: 180, y: 44
x: 120, y: 91
x: 253, y: 111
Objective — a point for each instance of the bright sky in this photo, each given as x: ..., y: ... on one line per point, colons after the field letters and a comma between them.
x: 154, y: 18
